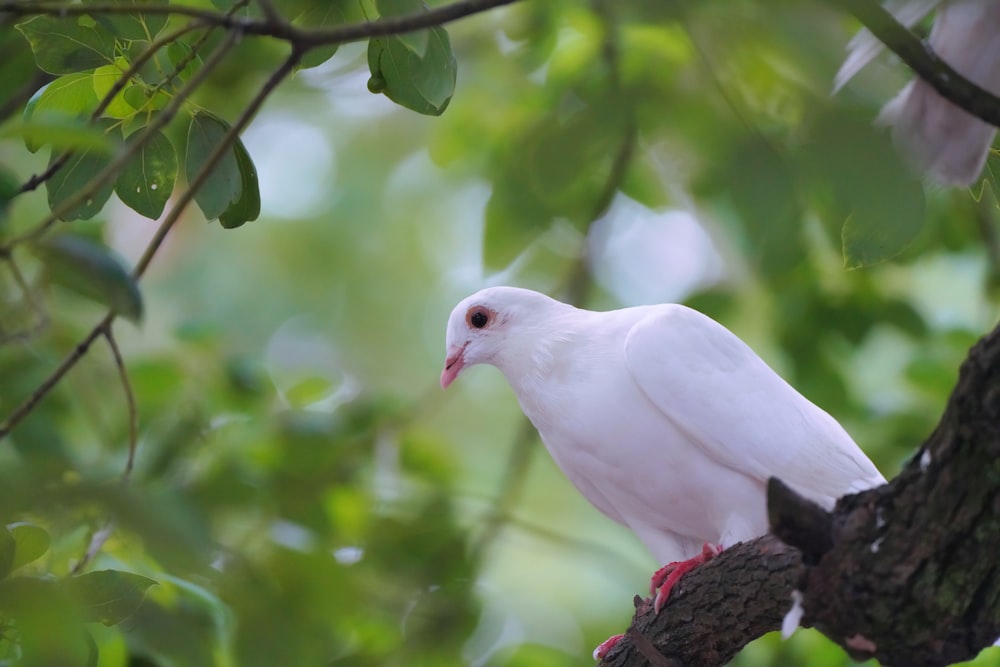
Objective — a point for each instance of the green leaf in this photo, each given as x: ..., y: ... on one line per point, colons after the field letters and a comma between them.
x: 874, y: 205
x: 146, y: 182
x: 411, y: 75
x: 762, y: 187
x: 247, y: 207
x: 179, y: 53
x: 416, y: 41
x: 8, y: 550
x: 32, y: 542
x: 108, y: 596
x: 62, y: 132
x: 104, y: 80
x: 224, y: 186
x: 93, y: 271
x: 134, y: 26
x: 17, y: 67
x: 71, y: 95
x: 320, y: 14
x: 513, y: 221
x: 72, y: 178
x: 67, y: 45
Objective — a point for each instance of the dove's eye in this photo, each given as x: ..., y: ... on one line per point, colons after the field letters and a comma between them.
x: 478, y: 318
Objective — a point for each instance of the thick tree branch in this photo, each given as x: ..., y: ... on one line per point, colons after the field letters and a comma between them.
x: 918, y: 55
x: 716, y: 609
x: 905, y: 573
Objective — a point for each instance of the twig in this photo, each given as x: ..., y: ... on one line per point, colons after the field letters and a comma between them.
x: 270, y: 12
x: 948, y: 83
x: 50, y: 382
x: 25, y: 408
x: 119, y: 84
x: 97, y: 541
x: 244, y: 119
x: 115, y: 166
x: 302, y: 38
x: 133, y: 415
x: 42, y: 319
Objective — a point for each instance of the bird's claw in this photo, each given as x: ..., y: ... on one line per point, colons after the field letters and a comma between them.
x: 605, y: 647
x: 666, y: 577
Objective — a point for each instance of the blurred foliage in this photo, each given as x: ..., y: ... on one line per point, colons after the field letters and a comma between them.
x: 301, y: 493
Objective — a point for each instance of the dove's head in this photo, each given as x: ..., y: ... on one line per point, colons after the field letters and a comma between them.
x: 499, y: 326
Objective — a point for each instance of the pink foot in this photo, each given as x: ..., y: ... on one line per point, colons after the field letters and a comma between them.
x: 666, y: 577
x: 605, y: 647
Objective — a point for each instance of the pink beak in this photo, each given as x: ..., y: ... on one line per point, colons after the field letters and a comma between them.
x: 452, y: 366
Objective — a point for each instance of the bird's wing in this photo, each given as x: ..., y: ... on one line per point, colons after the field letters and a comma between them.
x: 716, y: 390
x: 864, y: 46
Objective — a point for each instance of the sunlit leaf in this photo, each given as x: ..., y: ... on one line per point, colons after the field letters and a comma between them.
x: 104, y: 80
x: 93, y: 271
x: 71, y: 95
x: 67, y: 45
x: 32, y: 542
x: 62, y: 132
x: 421, y: 82
x: 224, y: 186
x: 146, y: 182
x: 109, y: 596
x: 247, y: 207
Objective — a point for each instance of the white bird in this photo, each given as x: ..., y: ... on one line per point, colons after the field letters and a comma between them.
x: 664, y: 419
x: 948, y: 144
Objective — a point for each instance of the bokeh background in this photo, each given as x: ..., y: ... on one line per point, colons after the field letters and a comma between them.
x: 305, y: 494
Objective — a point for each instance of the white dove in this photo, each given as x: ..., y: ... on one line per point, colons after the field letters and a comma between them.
x: 662, y: 418
x: 945, y: 142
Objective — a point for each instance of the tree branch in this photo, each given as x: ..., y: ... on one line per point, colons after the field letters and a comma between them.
x: 918, y: 55
x: 154, y: 244
x: 301, y: 38
x: 905, y: 573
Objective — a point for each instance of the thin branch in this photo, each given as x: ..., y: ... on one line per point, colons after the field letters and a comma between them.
x: 244, y: 119
x: 302, y: 38
x: 41, y: 317
x: 97, y: 541
x: 133, y: 414
x: 47, y: 385
x: 119, y: 84
x: 115, y: 166
x: 50, y: 382
x: 918, y: 55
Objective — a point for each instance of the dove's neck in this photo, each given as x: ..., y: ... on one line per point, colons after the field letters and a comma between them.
x: 539, y: 358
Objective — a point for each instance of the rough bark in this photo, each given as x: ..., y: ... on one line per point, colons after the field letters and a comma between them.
x: 908, y: 573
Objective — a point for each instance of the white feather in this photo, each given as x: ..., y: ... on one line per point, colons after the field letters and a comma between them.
x: 661, y: 417
x: 946, y: 143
